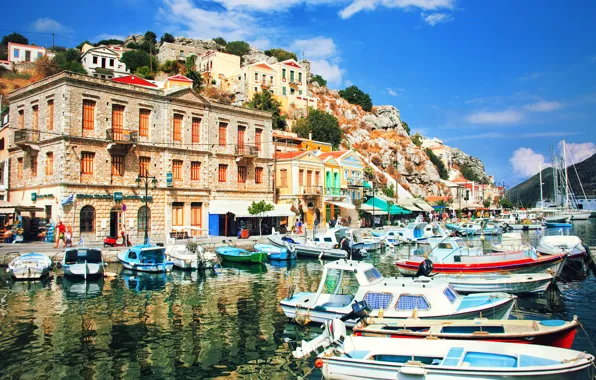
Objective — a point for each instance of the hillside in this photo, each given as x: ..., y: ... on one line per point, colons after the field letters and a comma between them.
x: 527, y: 193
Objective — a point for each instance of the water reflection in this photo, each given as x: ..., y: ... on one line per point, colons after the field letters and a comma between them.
x: 143, y: 281
x: 78, y: 287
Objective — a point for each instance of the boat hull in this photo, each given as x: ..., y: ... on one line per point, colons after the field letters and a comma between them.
x: 319, y: 253
x: 89, y: 270
x: 253, y: 257
x: 531, y: 285
x: 151, y: 268
x: 29, y: 273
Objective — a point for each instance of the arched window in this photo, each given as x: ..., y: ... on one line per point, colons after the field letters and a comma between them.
x: 144, y: 212
x: 87, y: 219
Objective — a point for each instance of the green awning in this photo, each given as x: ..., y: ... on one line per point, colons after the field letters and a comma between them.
x: 367, y: 185
x: 382, y: 204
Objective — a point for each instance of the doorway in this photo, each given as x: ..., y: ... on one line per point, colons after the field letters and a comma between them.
x: 115, y: 220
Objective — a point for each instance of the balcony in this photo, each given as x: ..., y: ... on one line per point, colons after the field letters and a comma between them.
x: 311, y: 190
x: 335, y: 194
x: 120, y: 140
x: 334, y: 191
x: 355, y: 182
x: 246, y: 151
x: 26, y: 139
x: 264, y: 84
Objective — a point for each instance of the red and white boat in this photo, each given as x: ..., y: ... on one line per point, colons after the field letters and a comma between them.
x: 555, y: 333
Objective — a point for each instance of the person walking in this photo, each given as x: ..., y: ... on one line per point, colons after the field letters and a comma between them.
x: 68, y: 236
x: 123, y: 234
x: 300, y: 231
x: 60, y: 231
x: 316, y: 224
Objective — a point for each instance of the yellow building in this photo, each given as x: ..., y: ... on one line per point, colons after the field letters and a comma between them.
x: 290, y: 142
x: 217, y: 66
x: 177, y: 81
x: 299, y: 181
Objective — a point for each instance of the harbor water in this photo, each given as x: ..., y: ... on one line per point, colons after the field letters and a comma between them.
x: 203, y: 325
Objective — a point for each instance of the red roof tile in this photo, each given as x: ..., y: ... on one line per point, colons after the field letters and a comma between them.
x: 180, y: 78
x: 132, y: 79
x: 334, y: 154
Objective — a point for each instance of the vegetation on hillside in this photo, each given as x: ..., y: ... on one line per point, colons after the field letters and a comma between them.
x: 324, y: 127
x: 438, y: 164
x: 220, y: 41
x: 416, y: 139
x: 167, y: 37
x: 468, y: 173
x: 406, y: 127
x: 238, y: 48
x: 319, y: 79
x: 264, y: 101
x: 14, y: 38
x: 354, y: 95
x: 281, y: 54
x: 138, y: 58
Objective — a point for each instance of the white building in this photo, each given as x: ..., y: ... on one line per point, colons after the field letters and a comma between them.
x: 103, y: 62
x: 18, y: 53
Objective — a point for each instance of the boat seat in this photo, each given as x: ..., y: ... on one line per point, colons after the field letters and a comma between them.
x: 335, y: 304
x: 358, y: 354
x: 487, y: 359
x: 453, y: 357
x: 531, y: 361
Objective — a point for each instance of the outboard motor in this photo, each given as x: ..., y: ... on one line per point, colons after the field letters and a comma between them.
x: 425, y: 268
x: 360, y: 310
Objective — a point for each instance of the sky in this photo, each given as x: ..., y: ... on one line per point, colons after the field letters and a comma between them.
x: 501, y: 80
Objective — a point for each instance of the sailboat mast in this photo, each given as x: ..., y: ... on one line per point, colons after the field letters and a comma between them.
x: 541, y: 198
x: 566, y: 176
x: 555, y: 185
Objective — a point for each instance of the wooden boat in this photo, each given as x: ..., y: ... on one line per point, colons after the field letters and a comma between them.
x: 359, y: 357
x: 493, y: 282
x: 30, y: 266
x: 555, y: 333
x: 83, y: 262
x: 511, y: 262
x: 239, y: 255
x: 145, y: 258
x: 275, y: 252
x: 184, y: 258
x: 345, y: 281
x: 310, y: 249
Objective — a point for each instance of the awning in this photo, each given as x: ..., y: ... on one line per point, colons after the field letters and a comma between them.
x: 240, y: 209
x: 383, y: 205
x: 469, y: 206
x: 423, y: 205
x: 345, y: 205
x: 369, y: 209
x: 10, y: 208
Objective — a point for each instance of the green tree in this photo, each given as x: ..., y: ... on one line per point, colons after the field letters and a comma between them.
x: 281, y: 54
x: 15, y: 38
x: 406, y: 126
x: 417, y: 139
x: 442, y: 202
x: 150, y: 37
x: 264, y: 101
x: 259, y: 209
x: 80, y: 46
x: 70, y: 61
x: 170, y: 67
x: 324, y: 127
x: 319, y: 79
x: 301, y: 127
x: 354, y: 95
x: 220, y: 41
x: 506, y: 203
x: 110, y: 41
x: 486, y: 203
x: 389, y: 191
x: 238, y: 48
x: 438, y: 163
x: 167, y: 37
x: 137, y: 58
x: 144, y: 72
x: 468, y: 173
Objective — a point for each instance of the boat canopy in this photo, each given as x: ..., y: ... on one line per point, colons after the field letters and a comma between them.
x: 383, y: 205
x: 91, y: 255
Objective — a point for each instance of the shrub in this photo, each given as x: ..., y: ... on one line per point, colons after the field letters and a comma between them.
x: 281, y: 54
x: 144, y: 72
x: 438, y: 164
x: 324, y: 127
x: 319, y: 79
x: 417, y: 139
x: 167, y: 37
x: 238, y: 48
x: 406, y: 126
x: 264, y: 101
x: 138, y: 58
x: 170, y: 67
x: 354, y: 95
x: 220, y: 41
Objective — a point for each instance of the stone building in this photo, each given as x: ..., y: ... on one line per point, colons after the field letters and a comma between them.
x: 77, y: 145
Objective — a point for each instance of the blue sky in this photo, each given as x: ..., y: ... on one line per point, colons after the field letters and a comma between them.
x: 502, y: 80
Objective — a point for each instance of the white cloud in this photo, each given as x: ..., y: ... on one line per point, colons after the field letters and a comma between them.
x: 543, y: 106
x: 47, y: 25
x: 525, y: 162
x: 436, y: 18
x: 315, y: 48
x: 106, y: 36
x: 367, y: 5
x: 395, y: 91
x: 578, y: 152
x: 328, y: 70
x: 261, y: 43
x: 500, y: 117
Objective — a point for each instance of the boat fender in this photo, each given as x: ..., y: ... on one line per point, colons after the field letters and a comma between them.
x: 425, y: 268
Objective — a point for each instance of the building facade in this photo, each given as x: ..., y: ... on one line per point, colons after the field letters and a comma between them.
x: 290, y: 142
x: 216, y: 66
x: 78, y: 145
x: 103, y: 62
x: 169, y: 51
x: 19, y: 53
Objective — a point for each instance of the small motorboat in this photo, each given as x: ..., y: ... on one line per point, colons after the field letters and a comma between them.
x: 276, y: 253
x: 510, y: 242
x: 190, y: 257
x: 360, y: 357
x: 239, y: 255
x: 555, y: 333
x: 309, y: 249
x: 558, y: 225
x: 519, y: 283
x: 83, y: 262
x: 30, y: 266
x: 465, y: 228
x: 344, y: 282
x: 145, y: 258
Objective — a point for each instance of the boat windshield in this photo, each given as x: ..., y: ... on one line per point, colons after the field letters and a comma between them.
x: 152, y: 256
x: 339, y: 282
x: 373, y: 275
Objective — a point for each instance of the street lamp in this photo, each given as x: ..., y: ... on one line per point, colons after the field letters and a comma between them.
x: 146, y: 178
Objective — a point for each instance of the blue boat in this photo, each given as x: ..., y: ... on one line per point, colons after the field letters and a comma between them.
x: 274, y: 252
x: 239, y: 255
x: 145, y: 258
x: 558, y: 225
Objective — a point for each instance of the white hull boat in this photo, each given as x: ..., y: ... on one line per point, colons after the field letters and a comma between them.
x: 345, y: 282
x: 83, y: 262
x: 358, y: 357
x: 30, y: 266
x: 182, y: 258
x: 145, y: 258
x: 508, y: 283
x: 580, y: 215
x: 557, y: 244
x: 310, y: 249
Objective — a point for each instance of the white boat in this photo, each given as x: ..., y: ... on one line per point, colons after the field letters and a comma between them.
x: 333, y: 237
x: 510, y: 242
x: 557, y: 244
x: 30, y: 266
x: 414, y: 232
x: 361, y: 357
x: 309, y: 249
x: 344, y: 282
x: 185, y: 258
x: 509, y: 283
x: 580, y: 215
x: 83, y: 262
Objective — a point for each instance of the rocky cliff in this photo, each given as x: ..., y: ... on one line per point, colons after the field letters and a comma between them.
x: 460, y: 160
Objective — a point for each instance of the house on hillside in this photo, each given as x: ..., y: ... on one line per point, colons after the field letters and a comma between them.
x: 169, y: 51
x: 19, y: 53
x: 218, y: 66
x: 290, y: 142
x: 103, y: 62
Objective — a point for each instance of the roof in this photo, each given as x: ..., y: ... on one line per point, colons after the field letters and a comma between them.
x: 179, y: 78
x: 460, y: 179
x: 436, y: 198
x: 334, y: 154
x: 23, y: 45
x: 288, y: 155
x: 134, y: 80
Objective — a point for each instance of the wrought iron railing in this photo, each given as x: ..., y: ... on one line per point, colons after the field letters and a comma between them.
x: 122, y: 135
x: 23, y: 136
x: 312, y: 190
x: 246, y: 150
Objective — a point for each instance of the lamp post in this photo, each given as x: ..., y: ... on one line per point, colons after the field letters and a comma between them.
x: 145, y: 179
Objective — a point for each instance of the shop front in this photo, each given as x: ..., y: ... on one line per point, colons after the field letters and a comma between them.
x: 227, y: 218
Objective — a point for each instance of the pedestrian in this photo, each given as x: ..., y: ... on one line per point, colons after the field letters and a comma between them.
x: 332, y: 222
x: 123, y: 234
x: 60, y: 230
x: 349, y: 220
x: 300, y: 226
x: 68, y: 236
x: 296, y: 225
x: 316, y: 224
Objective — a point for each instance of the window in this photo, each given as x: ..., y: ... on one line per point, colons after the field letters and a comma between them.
x: 258, y: 175
x: 181, y: 53
x: 195, y: 170
x: 95, y: 60
x: 309, y: 178
x: 271, y: 79
x: 177, y: 127
x: 34, y: 166
x: 223, y: 129
x: 177, y: 214
x: 196, y: 216
x: 300, y: 77
x: 117, y: 121
x: 118, y: 165
x: 111, y: 62
x: 292, y: 91
x: 173, y: 54
x: 2, y: 146
x: 87, y: 162
x: 87, y: 219
x: 35, y: 118
x: 240, y: 138
x: 242, y: 174
x: 256, y: 77
x: 283, y: 73
x: 258, y: 139
x: 301, y: 177
x: 177, y: 169
x: 144, y: 122
x: 144, y: 218
x: 291, y: 75
x: 378, y: 300
x: 20, y: 167
x: 49, y: 163
x: 449, y: 294
x: 299, y: 92
x: 222, y: 174
x: 144, y: 163
x: 283, y: 177
x: 16, y: 53
x: 283, y: 90
x: 196, y: 130
x: 88, y: 114
x: 21, y: 119
x: 373, y: 275
x: 50, y: 115
x: 410, y: 301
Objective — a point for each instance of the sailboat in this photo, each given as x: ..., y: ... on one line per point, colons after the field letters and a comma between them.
x: 568, y: 201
